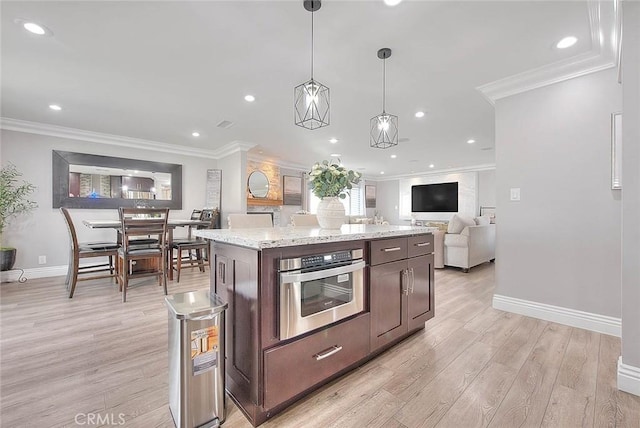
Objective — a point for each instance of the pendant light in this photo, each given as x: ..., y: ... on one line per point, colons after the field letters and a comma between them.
x: 384, y: 127
x: 311, y: 98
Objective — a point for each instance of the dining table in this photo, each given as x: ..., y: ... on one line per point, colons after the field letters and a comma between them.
x: 171, y: 225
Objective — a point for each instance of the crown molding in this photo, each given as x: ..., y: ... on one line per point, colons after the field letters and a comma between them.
x: 28, y: 127
x: 233, y: 147
x: 603, y: 16
x: 475, y: 168
x: 279, y: 163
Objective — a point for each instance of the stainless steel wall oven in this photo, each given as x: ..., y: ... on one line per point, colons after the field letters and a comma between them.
x: 318, y: 290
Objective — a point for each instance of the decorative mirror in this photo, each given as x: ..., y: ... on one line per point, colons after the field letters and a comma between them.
x: 92, y: 181
x: 258, y: 184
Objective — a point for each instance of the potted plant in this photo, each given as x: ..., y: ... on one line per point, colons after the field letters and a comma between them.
x: 330, y: 181
x: 14, y: 200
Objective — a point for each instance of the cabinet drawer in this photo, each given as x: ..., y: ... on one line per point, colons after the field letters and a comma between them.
x: 388, y: 250
x: 419, y: 245
x: 290, y: 369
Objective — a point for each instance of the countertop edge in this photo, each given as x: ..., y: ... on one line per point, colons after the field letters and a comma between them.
x: 264, y: 238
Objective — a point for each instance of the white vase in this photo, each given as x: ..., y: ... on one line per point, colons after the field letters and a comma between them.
x: 330, y: 213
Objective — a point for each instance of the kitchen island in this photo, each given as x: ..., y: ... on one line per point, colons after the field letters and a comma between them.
x: 307, y: 305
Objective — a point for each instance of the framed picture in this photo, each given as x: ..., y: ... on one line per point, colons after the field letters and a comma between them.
x: 616, y: 151
x: 213, y: 188
x: 291, y: 190
x: 370, y: 196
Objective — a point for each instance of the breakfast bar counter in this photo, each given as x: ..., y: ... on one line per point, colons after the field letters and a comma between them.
x: 276, y: 237
x: 307, y: 305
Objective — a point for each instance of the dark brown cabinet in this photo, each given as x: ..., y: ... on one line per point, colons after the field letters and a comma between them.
x: 266, y: 374
x: 401, y: 287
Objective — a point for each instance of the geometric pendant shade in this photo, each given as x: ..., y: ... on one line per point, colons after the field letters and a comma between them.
x: 311, y: 98
x: 311, y: 105
x: 383, y: 128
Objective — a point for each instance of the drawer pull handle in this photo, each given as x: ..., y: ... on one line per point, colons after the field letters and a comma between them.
x: 388, y: 250
x: 329, y: 352
x: 423, y: 244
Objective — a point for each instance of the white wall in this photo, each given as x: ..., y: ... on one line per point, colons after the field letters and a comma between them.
x: 234, y: 185
x: 388, y: 201
x: 481, y: 188
x: 43, y: 232
x: 487, y: 188
x: 467, y: 194
x: 559, y: 245
x: 631, y: 189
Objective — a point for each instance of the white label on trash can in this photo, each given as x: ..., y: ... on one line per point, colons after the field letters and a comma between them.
x: 204, y: 349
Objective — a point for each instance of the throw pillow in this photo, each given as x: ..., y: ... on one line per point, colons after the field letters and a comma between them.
x: 457, y: 223
x: 483, y: 220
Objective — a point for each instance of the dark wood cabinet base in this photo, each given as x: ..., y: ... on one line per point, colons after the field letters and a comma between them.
x: 265, y: 375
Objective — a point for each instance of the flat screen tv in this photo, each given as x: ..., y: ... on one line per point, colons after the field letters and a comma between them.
x: 434, y: 198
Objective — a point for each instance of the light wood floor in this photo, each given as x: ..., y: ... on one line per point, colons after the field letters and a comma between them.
x: 472, y: 366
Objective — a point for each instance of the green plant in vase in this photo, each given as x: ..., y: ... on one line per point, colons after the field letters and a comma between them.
x: 330, y: 182
x: 14, y: 201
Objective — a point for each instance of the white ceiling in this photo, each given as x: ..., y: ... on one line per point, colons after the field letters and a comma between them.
x: 160, y: 70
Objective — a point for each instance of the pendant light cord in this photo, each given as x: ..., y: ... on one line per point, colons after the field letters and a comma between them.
x: 384, y: 83
x: 311, y: 45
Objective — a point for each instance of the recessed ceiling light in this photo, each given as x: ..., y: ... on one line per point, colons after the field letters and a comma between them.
x: 195, y: 133
x: 382, y: 172
x: 335, y: 155
x: 392, y: 2
x: 333, y: 140
x: 566, y: 42
x: 249, y: 98
x: 394, y: 156
x: 471, y: 141
x: 419, y: 114
x: 34, y: 28
x: 431, y: 165
x: 55, y: 107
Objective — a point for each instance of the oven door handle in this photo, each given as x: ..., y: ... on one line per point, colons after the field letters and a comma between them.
x: 293, y: 277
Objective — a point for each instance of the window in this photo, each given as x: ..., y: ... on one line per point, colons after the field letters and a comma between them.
x: 353, y: 203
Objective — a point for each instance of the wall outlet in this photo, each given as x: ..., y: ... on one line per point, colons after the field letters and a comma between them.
x: 42, y: 260
x: 515, y: 194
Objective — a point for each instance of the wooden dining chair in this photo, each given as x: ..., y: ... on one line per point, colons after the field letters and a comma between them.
x: 195, y: 248
x: 137, y: 222
x: 78, y: 251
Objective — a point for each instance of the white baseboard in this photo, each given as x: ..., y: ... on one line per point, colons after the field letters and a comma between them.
x: 628, y: 378
x: 43, y: 272
x: 574, y: 318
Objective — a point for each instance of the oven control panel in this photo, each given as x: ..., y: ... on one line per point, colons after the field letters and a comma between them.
x: 320, y: 260
x: 325, y: 259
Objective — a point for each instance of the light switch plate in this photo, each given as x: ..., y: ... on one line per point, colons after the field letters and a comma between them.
x: 515, y: 193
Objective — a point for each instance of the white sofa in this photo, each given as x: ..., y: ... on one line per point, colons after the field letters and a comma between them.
x: 473, y: 245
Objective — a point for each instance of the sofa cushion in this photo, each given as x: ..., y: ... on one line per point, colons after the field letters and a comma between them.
x: 483, y: 220
x: 457, y: 223
x: 456, y: 240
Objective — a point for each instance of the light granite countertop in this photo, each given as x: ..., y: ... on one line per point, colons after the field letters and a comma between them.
x: 275, y: 237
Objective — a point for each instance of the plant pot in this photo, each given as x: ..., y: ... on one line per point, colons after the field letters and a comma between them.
x: 7, y: 258
x: 330, y: 213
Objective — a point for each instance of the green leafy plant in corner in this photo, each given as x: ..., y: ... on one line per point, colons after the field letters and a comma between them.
x: 14, y: 195
x: 329, y: 179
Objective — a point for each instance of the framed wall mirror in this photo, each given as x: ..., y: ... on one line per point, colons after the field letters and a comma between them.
x: 82, y: 180
x: 258, y: 184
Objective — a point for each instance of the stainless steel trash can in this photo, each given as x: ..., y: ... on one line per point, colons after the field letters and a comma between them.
x: 196, y: 359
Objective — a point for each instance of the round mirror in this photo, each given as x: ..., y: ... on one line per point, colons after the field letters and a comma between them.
x: 258, y: 184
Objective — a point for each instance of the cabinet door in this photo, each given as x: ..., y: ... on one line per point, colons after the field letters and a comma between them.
x: 420, y: 298
x: 388, y: 303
